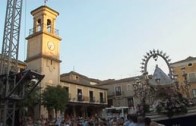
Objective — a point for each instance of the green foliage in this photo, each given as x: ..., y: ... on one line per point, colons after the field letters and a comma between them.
x: 32, y: 99
x: 30, y: 102
x: 55, y: 97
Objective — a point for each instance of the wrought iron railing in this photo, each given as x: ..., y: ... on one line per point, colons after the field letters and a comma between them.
x: 48, y: 29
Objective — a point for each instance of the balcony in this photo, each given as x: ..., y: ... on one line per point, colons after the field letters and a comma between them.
x: 48, y: 29
x: 86, y: 99
x: 92, y: 99
x: 102, y: 100
x: 80, y: 98
x: 70, y: 97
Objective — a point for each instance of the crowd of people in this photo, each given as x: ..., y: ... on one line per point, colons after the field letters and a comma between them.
x: 131, y: 120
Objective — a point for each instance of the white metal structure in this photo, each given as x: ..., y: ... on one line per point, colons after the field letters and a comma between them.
x: 117, y: 112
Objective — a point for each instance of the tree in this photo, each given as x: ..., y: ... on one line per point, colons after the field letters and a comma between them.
x: 55, y: 97
x: 27, y: 105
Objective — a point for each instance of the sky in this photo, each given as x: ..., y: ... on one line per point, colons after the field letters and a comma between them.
x: 107, y: 39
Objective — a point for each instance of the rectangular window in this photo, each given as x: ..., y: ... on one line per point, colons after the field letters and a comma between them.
x: 91, y: 96
x: 194, y: 93
x: 80, y: 98
x: 128, y: 87
x: 191, y: 77
x: 110, y: 102
x: 118, y: 90
x: 130, y: 101
x: 67, y: 89
x: 101, y: 97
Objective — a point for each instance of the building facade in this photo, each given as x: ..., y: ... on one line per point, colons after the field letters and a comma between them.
x: 85, y: 98
x: 121, y: 92
x: 185, y: 73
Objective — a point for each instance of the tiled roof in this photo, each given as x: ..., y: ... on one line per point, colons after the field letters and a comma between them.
x: 82, y: 84
x: 72, y: 72
x: 45, y: 7
x: 112, y: 81
x: 190, y: 58
x: 82, y: 76
x: 86, y: 82
x: 19, y: 61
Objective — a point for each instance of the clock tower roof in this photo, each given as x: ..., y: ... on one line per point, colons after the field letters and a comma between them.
x: 43, y: 9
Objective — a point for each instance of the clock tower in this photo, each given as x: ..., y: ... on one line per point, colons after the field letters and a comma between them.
x: 43, y: 46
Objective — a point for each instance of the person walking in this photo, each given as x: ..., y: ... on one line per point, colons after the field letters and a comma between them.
x: 134, y: 120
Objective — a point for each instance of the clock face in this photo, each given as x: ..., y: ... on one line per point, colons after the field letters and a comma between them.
x: 50, y: 45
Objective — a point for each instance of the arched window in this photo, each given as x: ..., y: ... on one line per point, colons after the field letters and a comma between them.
x: 39, y: 25
x: 49, y: 25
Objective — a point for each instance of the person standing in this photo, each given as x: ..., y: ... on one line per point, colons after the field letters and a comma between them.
x: 134, y: 120
x: 128, y: 120
x: 58, y: 121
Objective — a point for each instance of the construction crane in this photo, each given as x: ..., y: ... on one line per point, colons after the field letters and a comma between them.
x: 15, y: 85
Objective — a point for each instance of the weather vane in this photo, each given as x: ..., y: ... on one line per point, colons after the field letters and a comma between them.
x: 45, y: 2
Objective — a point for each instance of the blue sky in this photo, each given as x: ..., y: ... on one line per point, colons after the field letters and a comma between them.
x: 108, y: 38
